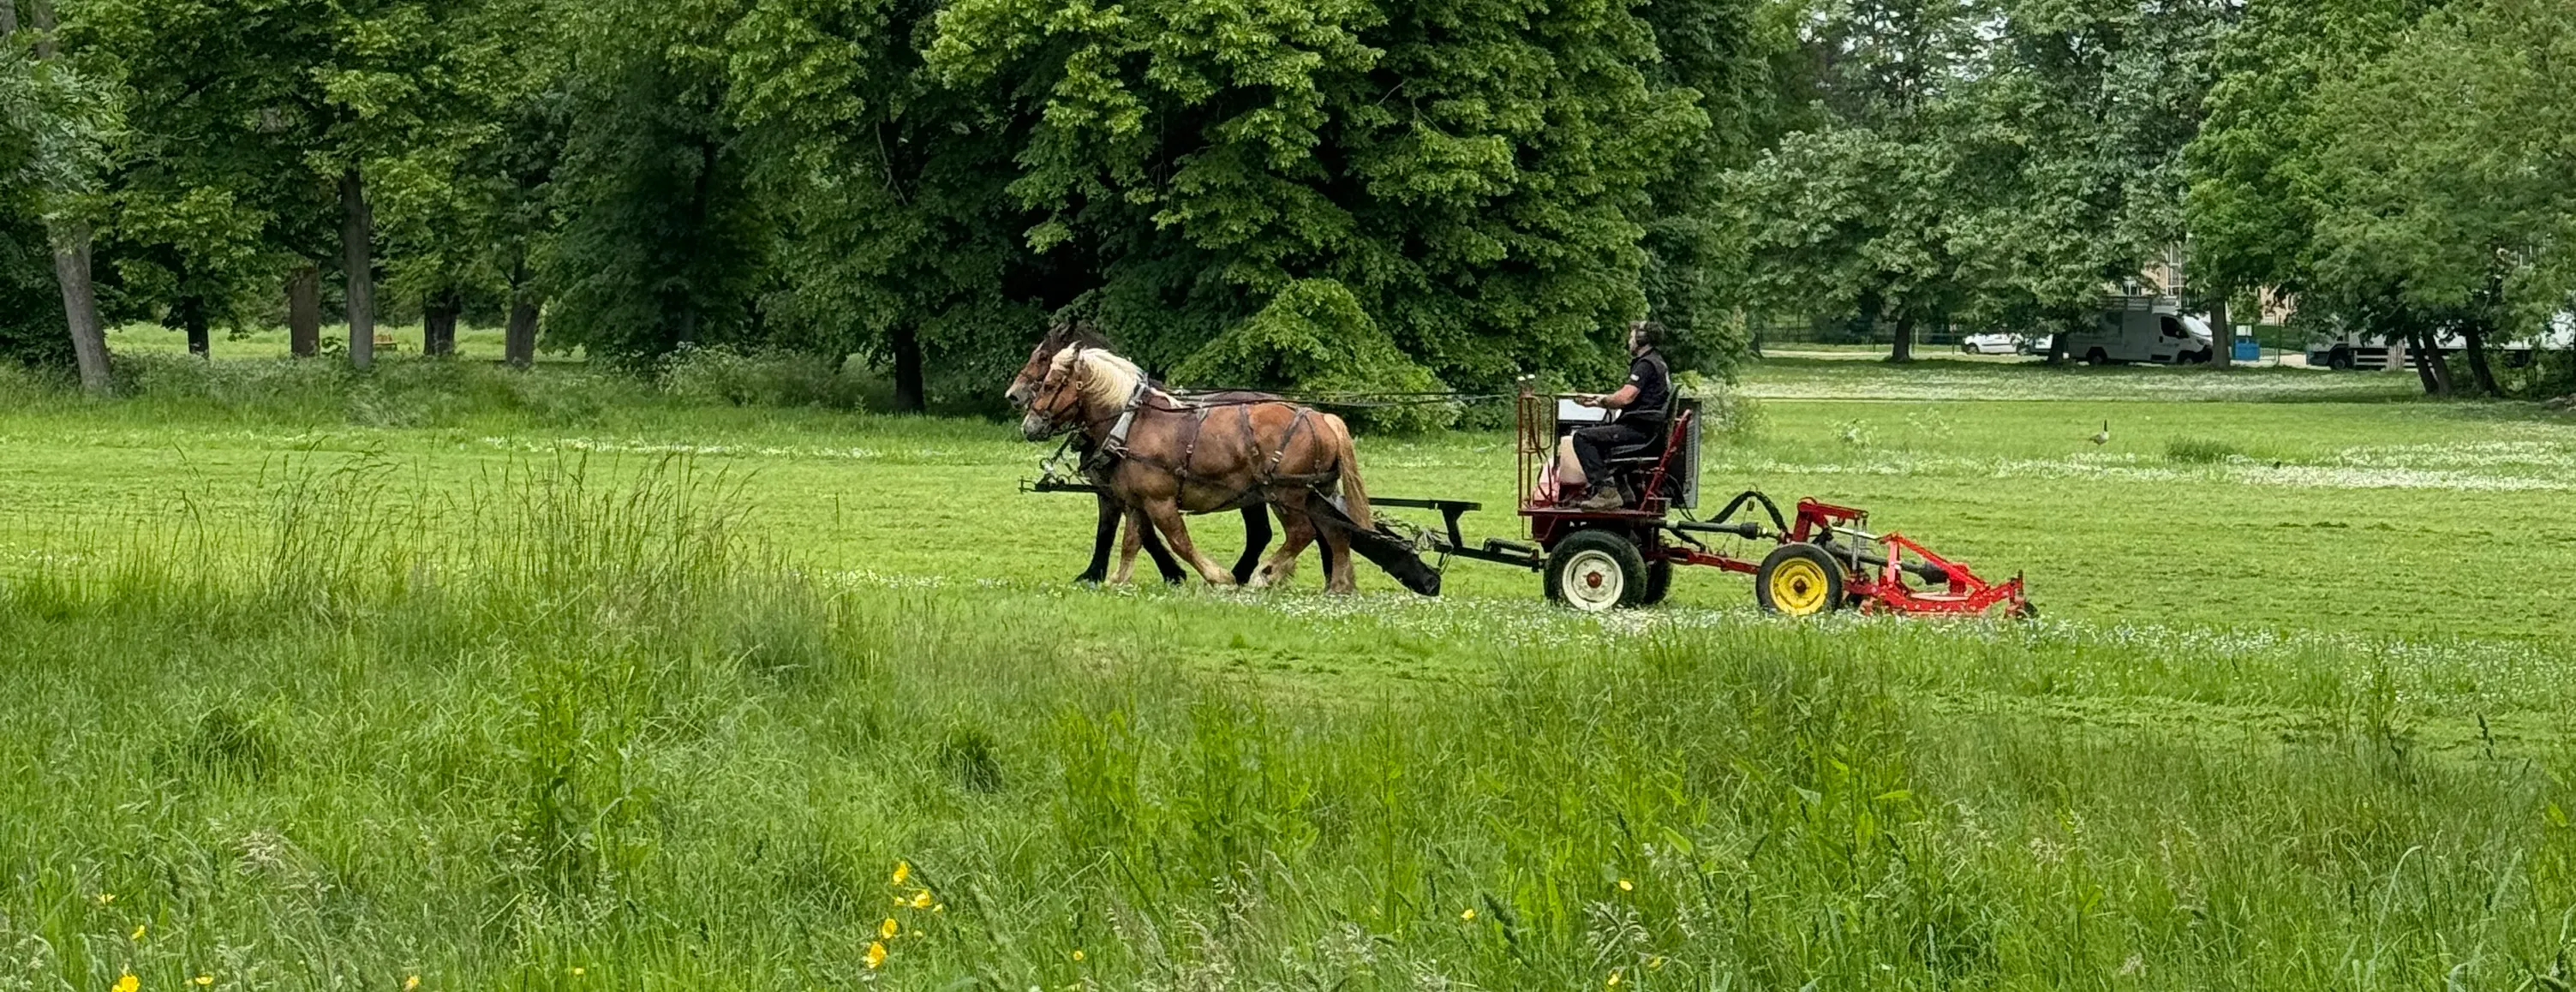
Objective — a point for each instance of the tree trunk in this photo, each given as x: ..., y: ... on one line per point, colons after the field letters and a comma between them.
x: 2475, y: 336
x: 2429, y: 365
x: 438, y: 325
x: 192, y: 316
x: 2222, y: 334
x: 519, y: 343
x: 907, y: 372
x: 357, y: 245
x: 1904, y: 351
x: 8, y: 18
x: 304, y: 311
x: 80, y: 304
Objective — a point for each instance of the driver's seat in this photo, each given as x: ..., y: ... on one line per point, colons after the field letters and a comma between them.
x: 1651, y: 450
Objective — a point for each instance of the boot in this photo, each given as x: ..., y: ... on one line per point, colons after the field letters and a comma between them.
x: 1604, y: 498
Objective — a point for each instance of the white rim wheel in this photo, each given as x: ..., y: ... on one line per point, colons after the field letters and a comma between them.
x: 1593, y: 582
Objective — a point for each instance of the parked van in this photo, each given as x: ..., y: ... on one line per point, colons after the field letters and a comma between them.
x: 2143, y: 329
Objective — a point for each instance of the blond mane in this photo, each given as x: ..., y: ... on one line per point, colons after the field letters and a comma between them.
x: 1107, y: 382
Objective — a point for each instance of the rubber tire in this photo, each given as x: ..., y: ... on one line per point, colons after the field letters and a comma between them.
x: 1630, y: 566
x: 2097, y: 357
x: 1834, y: 598
x: 1659, y: 583
x: 2339, y: 360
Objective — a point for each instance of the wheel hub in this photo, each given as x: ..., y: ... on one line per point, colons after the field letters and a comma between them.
x: 1597, y: 583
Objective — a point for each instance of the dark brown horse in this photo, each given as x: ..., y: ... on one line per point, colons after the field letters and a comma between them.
x: 1256, y: 523
x: 1174, y: 457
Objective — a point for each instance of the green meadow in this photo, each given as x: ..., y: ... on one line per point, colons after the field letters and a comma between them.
x: 572, y: 680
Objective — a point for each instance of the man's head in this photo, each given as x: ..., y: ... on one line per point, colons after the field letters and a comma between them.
x: 1645, y: 336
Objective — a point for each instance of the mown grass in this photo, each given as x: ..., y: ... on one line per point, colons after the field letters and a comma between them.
x: 621, y: 735
x: 2425, y: 521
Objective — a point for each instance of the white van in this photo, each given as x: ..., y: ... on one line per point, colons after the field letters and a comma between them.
x: 2143, y: 329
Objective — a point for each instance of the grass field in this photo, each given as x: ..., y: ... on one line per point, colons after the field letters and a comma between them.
x: 566, y: 681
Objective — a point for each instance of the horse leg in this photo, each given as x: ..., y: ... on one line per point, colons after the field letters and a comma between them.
x: 1127, y: 552
x: 1301, y: 532
x: 1339, y: 577
x: 1256, y: 537
x: 1163, y: 560
x: 1106, y: 535
x: 1167, y: 517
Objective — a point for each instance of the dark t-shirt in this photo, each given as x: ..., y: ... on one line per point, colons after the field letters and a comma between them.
x: 1654, y: 390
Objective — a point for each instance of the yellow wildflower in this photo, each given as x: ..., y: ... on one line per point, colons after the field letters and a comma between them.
x: 128, y: 983
x: 411, y: 983
x: 1625, y: 886
x: 887, y: 929
x: 1614, y: 979
x: 138, y: 930
x: 1077, y: 954
x: 902, y: 872
x: 205, y: 979
x: 576, y: 969
x: 921, y: 899
x: 876, y: 953
x: 106, y: 897
x: 939, y: 908
x: 1469, y: 914
x: 1655, y: 963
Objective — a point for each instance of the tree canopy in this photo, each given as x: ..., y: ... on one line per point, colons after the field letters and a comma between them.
x: 1325, y: 194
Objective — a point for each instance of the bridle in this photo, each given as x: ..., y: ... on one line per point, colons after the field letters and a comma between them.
x: 1046, y: 404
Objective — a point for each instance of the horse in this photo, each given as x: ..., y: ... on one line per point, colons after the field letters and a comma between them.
x: 1256, y: 524
x: 1175, y: 457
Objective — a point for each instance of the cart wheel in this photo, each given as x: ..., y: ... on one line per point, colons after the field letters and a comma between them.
x: 1595, y: 571
x: 2024, y: 610
x: 1659, y: 583
x: 1799, y: 580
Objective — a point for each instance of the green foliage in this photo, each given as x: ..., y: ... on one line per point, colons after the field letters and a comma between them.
x: 1315, y: 336
x: 1474, y: 174
x: 664, y: 243
x: 2445, y: 171
x: 763, y: 378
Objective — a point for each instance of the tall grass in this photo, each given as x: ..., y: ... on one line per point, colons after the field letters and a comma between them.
x: 607, y: 741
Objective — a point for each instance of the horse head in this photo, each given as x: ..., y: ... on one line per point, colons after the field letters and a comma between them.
x: 1054, y: 400
x: 1070, y: 334
x: 1083, y: 386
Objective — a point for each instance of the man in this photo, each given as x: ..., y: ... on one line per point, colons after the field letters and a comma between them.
x: 1640, y: 404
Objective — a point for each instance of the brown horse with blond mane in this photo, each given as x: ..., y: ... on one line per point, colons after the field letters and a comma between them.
x: 1174, y: 457
x: 1256, y: 517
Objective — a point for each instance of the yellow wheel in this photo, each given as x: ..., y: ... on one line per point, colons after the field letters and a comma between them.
x: 1799, y: 580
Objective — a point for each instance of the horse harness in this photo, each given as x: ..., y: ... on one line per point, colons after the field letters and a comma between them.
x: 1113, y: 448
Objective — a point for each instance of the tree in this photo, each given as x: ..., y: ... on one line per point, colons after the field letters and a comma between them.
x: 1473, y: 174
x: 2446, y: 179
x: 2258, y: 183
x: 468, y: 206
x: 2073, y: 129
x: 900, y: 238
x: 63, y: 120
x: 1863, y: 210
x: 664, y: 244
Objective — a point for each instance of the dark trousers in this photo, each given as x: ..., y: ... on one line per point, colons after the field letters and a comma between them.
x: 1591, y: 442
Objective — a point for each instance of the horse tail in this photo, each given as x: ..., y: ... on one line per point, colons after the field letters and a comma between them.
x: 1354, y: 494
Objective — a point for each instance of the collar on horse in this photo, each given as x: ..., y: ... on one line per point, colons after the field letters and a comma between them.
x: 1116, y: 443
